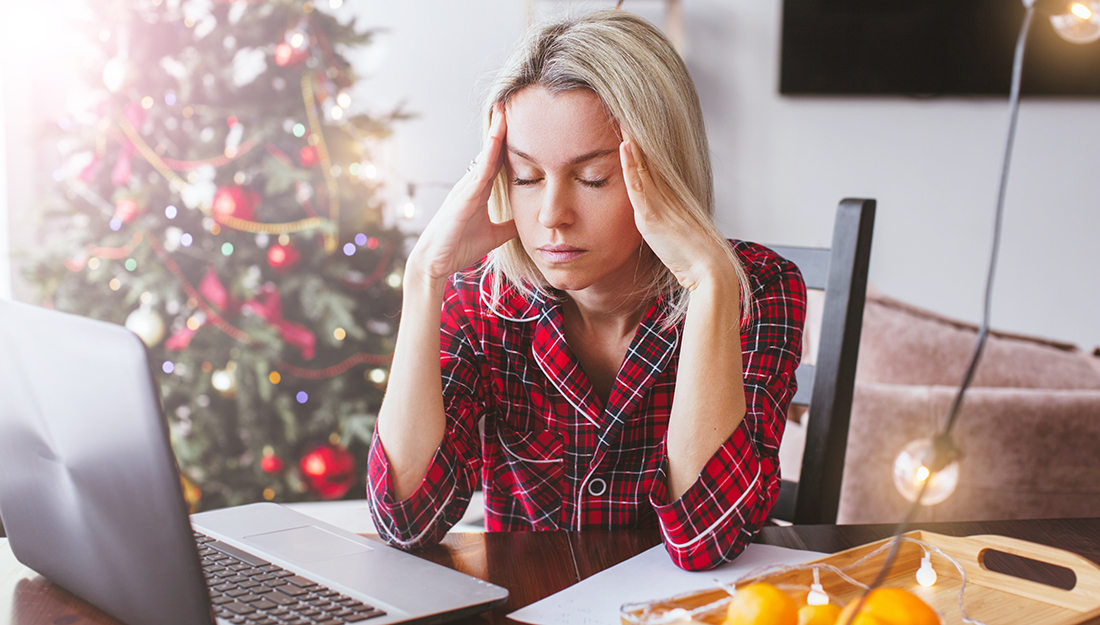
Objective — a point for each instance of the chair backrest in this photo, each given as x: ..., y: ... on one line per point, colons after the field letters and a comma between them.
x: 826, y: 388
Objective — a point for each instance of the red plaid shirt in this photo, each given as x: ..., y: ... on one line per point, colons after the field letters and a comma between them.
x: 523, y: 420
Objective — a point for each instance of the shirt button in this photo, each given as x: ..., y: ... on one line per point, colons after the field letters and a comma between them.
x: 597, y: 487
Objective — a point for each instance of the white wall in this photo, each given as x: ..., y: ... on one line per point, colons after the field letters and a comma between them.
x: 5, y: 238
x: 782, y: 163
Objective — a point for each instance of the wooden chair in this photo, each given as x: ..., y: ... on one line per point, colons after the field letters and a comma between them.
x: 826, y: 388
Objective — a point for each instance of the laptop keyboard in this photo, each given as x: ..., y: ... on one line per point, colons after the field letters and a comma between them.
x: 248, y: 590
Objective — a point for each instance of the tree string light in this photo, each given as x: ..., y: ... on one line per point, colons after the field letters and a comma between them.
x: 376, y: 275
x: 235, y: 223
x: 323, y: 156
x: 219, y: 322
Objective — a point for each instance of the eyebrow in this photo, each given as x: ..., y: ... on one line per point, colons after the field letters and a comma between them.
x: 575, y: 161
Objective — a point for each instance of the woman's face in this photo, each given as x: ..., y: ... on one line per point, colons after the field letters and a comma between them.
x: 567, y: 191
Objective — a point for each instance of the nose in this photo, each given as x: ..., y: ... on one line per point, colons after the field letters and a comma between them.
x: 557, y: 206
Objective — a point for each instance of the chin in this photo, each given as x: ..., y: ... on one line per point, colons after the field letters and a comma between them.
x: 564, y: 280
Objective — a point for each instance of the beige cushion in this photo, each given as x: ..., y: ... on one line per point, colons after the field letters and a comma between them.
x: 901, y: 344
x: 1029, y: 453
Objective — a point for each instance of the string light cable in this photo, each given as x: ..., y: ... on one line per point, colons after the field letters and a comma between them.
x: 946, y: 452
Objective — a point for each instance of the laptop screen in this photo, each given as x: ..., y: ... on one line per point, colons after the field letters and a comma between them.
x: 89, y: 490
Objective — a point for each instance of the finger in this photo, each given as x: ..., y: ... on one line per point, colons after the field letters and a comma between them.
x: 636, y: 178
x: 498, y: 130
x: 489, y: 163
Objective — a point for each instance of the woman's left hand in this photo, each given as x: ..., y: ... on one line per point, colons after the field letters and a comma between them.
x: 677, y: 238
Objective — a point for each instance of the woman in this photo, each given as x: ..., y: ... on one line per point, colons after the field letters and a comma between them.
x: 612, y: 361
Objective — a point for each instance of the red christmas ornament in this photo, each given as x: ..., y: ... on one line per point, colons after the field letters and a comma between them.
x: 282, y: 257
x: 268, y: 305
x: 307, y: 156
x: 272, y: 464
x: 215, y: 293
x: 329, y: 470
x: 287, y: 55
x: 235, y: 201
x: 127, y: 209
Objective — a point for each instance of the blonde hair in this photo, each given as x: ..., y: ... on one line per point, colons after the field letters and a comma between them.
x: 648, y: 91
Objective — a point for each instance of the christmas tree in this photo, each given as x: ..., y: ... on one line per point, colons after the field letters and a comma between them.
x: 217, y: 197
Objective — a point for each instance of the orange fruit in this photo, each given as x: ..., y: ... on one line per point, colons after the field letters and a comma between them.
x: 889, y: 606
x: 818, y: 614
x: 761, y: 604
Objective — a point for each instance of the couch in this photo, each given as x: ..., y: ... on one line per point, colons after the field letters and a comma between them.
x: 1029, y: 426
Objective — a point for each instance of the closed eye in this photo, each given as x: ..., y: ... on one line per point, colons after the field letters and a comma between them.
x: 524, y: 181
x: 595, y: 184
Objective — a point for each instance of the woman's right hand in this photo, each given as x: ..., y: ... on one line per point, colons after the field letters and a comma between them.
x: 461, y: 232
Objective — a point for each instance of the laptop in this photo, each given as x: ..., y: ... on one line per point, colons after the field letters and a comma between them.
x: 90, y: 498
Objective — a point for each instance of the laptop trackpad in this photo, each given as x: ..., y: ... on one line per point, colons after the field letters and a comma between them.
x: 306, y: 544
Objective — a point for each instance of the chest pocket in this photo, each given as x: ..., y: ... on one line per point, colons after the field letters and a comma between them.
x: 528, y: 481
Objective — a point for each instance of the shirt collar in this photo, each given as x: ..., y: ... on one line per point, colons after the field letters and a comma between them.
x: 513, y: 304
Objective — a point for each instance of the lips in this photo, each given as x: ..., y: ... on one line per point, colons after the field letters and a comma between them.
x: 560, y: 253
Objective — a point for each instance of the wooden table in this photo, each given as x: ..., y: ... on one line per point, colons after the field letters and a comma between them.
x: 537, y: 564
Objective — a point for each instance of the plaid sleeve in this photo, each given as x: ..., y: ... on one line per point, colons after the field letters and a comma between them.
x: 719, y: 515
x: 440, y: 501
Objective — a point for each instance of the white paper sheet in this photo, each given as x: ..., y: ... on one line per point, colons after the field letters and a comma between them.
x: 647, y: 576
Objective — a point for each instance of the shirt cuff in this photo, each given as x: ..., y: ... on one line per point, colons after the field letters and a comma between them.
x: 718, y: 516
x: 424, y: 517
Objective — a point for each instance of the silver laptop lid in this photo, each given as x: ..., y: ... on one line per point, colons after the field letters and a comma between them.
x: 89, y: 491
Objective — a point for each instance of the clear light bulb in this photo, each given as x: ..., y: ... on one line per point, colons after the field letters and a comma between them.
x: 926, y: 575
x: 1079, y: 23
x: 914, y: 466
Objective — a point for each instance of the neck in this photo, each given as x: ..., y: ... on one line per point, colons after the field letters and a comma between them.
x: 608, y: 315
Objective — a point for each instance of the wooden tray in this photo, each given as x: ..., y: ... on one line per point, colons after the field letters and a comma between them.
x: 990, y: 597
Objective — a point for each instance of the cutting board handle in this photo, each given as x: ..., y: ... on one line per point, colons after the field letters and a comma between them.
x: 970, y: 553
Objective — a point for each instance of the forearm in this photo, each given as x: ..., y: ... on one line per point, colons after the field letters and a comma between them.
x: 412, y: 421
x: 709, y: 402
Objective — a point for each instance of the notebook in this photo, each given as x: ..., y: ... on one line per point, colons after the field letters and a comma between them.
x: 90, y: 498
